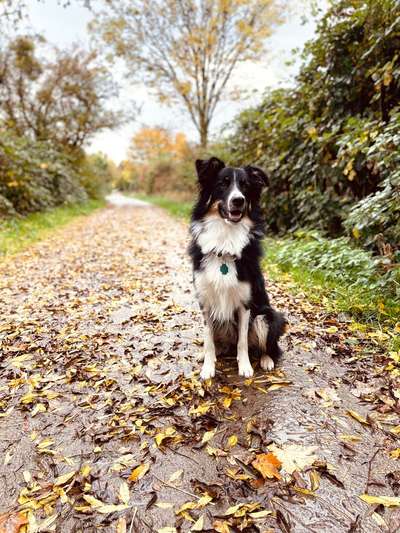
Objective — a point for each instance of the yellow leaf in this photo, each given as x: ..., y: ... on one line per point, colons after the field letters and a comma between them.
x: 395, y: 454
x: 64, y: 478
x: 331, y: 329
x: 198, y: 525
x: 294, y: 456
x: 123, y: 493
x: 208, y: 435
x: 232, y: 441
x: 109, y: 508
x: 85, y: 470
x: 357, y: 417
x: 315, y: 479
x: 227, y: 402
x: 164, y: 505
x: 121, y: 525
x: 166, y: 434
x: 92, y: 501
x: 386, y: 501
x: 39, y: 408
x: 356, y: 232
x: 167, y: 530
x: 260, y: 514
x: 45, y: 444
x: 138, y: 472
x: 221, y: 526
x: 175, y: 476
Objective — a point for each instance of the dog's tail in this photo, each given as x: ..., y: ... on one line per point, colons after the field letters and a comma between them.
x: 277, y: 326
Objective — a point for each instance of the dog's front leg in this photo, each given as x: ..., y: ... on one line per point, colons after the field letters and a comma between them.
x: 208, y: 370
x: 245, y: 368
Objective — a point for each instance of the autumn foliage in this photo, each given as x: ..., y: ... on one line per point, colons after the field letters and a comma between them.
x: 159, y: 161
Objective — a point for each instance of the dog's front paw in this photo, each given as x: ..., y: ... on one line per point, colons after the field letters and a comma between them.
x: 207, y: 372
x: 245, y: 369
x: 267, y: 363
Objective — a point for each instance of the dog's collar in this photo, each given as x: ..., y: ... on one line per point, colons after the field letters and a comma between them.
x: 224, y: 255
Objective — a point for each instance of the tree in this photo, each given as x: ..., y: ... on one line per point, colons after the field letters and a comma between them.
x: 187, y: 50
x: 149, y: 144
x: 62, y: 99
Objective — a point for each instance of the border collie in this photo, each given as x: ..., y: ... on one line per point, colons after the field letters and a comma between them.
x: 227, y: 227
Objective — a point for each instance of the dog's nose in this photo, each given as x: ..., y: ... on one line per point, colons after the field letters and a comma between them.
x: 238, y: 201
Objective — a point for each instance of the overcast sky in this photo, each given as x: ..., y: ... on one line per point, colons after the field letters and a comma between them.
x: 66, y: 26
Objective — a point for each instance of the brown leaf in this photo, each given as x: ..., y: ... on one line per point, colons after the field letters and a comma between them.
x: 12, y: 522
x: 267, y: 464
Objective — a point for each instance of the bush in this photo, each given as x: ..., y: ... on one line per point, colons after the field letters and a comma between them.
x: 330, y: 144
x: 35, y: 176
x: 338, y: 260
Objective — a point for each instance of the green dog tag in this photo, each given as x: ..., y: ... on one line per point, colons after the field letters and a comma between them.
x: 224, y: 269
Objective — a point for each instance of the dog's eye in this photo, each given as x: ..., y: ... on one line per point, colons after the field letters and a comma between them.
x: 242, y: 183
x: 226, y: 180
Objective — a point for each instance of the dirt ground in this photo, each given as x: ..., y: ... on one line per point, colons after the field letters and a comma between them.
x: 105, y: 426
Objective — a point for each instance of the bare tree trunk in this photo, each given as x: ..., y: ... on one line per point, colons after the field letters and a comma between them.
x: 203, y: 133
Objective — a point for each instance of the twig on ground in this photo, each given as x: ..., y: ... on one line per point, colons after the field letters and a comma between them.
x: 133, y: 519
x: 176, y: 488
x: 369, y: 470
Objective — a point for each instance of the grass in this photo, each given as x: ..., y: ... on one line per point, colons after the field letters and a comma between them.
x: 328, y: 272
x: 17, y: 234
x: 177, y: 208
x: 349, y: 282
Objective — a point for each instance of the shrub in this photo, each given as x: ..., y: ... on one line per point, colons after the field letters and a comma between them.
x: 34, y: 175
x: 330, y: 144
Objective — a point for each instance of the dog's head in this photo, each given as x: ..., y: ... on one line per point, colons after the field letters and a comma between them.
x: 233, y: 191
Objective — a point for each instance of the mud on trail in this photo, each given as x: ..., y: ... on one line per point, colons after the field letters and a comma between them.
x: 105, y: 426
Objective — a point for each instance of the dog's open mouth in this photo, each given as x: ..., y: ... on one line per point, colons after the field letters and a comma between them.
x: 234, y: 215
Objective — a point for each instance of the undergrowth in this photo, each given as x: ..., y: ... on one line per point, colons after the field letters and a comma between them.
x: 18, y: 233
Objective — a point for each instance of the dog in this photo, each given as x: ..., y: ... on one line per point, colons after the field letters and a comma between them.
x: 226, y: 229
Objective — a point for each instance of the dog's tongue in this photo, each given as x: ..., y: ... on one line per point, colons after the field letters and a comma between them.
x: 235, y: 215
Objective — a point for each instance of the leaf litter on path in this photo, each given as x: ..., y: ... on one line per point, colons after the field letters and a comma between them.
x: 104, y: 423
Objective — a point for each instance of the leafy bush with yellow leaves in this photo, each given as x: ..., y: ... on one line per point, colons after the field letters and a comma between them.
x: 34, y: 175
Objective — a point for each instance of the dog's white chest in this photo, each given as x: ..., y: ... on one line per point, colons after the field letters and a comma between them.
x: 220, y: 294
x: 215, y: 234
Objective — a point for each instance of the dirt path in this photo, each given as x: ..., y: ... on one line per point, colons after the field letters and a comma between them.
x: 104, y: 425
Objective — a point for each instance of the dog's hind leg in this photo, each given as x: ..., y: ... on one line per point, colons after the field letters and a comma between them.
x: 259, y: 333
x: 245, y: 368
x: 208, y: 370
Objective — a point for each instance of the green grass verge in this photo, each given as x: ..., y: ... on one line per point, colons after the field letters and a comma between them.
x: 331, y: 272
x: 349, y: 283
x: 17, y: 234
x: 179, y: 209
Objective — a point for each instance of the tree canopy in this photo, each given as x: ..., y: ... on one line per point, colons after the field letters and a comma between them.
x: 186, y: 50
x: 62, y: 98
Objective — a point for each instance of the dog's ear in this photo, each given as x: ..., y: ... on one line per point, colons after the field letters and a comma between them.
x: 257, y: 176
x: 207, y: 169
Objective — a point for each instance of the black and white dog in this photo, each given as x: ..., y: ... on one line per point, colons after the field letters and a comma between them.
x: 227, y: 226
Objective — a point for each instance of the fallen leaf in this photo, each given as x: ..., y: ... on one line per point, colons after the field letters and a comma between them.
x: 138, y: 472
x: 358, y: 417
x: 267, y: 464
x: 386, y: 501
x: 60, y: 480
x: 12, y: 522
x: 121, y: 525
x: 294, y: 456
x: 123, y: 492
x: 232, y: 441
x: 198, y: 525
